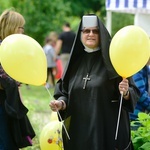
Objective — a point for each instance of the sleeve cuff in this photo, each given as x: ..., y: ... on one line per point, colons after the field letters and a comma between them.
x: 63, y: 98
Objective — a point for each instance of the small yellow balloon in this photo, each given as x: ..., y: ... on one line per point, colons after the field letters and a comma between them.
x: 129, y: 50
x: 23, y: 59
x: 54, y: 116
x: 51, y: 136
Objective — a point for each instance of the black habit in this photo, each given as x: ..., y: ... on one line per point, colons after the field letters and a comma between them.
x: 92, y: 106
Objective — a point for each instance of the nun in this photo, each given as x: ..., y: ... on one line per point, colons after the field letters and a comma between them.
x: 88, y: 95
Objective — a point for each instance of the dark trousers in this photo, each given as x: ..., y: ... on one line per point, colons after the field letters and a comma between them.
x: 6, y: 142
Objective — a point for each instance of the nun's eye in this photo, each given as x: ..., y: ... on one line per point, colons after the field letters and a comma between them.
x: 88, y: 31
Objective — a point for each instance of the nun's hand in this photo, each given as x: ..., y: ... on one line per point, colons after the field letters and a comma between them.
x: 124, y: 88
x: 57, y: 105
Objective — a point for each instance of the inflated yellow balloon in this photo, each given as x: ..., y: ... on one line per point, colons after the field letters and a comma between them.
x: 54, y: 116
x: 23, y: 59
x: 51, y: 136
x: 129, y: 50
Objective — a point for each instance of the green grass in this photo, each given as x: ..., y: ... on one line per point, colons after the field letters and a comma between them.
x: 36, y: 99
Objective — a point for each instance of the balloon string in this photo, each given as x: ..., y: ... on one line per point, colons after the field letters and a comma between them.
x: 63, y: 124
x: 59, y: 115
x: 119, y: 116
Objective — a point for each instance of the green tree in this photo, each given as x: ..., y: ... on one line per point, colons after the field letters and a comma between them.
x: 80, y: 8
x: 42, y: 16
x: 120, y: 20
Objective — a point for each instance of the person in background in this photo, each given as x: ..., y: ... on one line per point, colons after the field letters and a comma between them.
x: 64, y: 43
x: 142, y: 81
x: 58, y: 72
x: 54, y: 37
x: 51, y: 62
x: 15, y: 128
x: 88, y: 94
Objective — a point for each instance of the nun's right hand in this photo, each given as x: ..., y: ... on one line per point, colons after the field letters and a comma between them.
x: 57, y: 105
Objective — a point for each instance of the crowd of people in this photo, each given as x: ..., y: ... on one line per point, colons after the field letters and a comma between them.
x: 87, y: 94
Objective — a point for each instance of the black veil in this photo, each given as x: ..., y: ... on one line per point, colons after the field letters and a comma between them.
x: 78, y: 49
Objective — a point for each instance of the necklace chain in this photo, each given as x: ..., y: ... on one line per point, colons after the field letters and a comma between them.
x: 87, y: 78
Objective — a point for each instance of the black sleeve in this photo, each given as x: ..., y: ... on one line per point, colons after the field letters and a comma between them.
x: 13, y: 104
x: 60, y: 93
x: 134, y: 96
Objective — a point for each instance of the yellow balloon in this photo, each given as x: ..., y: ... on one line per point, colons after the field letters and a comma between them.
x: 53, y: 116
x: 51, y: 136
x: 129, y: 50
x: 23, y: 59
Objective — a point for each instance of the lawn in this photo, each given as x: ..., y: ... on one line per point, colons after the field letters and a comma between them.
x: 36, y: 99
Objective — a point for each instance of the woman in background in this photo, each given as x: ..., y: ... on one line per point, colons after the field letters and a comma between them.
x: 15, y: 128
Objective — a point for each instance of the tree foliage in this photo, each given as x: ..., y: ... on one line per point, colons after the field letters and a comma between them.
x: 42, y: 16
x: 141, y: 135
x: 120, y: 20
x: 80, y: 8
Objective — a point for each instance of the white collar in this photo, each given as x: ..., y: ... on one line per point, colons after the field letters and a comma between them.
x: 90, y: 50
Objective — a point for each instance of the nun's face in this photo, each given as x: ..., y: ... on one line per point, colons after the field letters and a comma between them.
x: 90, y: 37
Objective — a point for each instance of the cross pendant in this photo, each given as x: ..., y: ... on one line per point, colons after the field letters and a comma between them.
x: 85, y: 80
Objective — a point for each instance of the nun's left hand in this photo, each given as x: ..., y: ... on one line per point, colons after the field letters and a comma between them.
x: 124, y: 87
